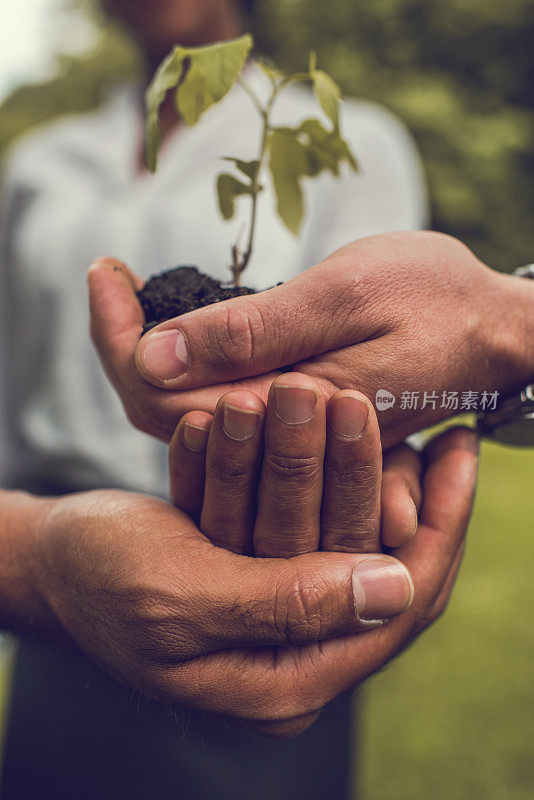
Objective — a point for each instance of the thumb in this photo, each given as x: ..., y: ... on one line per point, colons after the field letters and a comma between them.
x: 304, y: 599
x: 254, y: 334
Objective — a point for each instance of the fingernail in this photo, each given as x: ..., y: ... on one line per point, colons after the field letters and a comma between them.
x: 195, y: 438
x: 294, y: 404
x: 240, y: 424
x: 165, y: 355
x: 415, y: 520
x: 382, y: 588
x: 349, y: 416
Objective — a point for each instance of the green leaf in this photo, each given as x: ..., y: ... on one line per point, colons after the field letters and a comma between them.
x: 212, y: 72
x: 317, y: 140
x: 167, y: 77
x: 326, y: 149
x: 303, y: 152
x: 273, y: 73
x: 347, y: 154
x: 328, y: 94
x: 228, y: 189
x: 327, y: 91
x: 202, y: 77
x: 248, y: 168
x: 288, y: 163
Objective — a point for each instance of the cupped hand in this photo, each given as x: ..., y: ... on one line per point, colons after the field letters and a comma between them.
x: 266, y: 642
x: 116, y: 327
x: 406, y: 312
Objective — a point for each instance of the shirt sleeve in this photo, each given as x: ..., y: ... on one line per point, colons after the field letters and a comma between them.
x: 388, y: 193
x: 8, y: 202
x: 15, y: 194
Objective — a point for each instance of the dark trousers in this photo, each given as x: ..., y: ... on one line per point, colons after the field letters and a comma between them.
x: 75, y: 734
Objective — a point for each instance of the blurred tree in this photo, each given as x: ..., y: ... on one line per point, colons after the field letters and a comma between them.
x: 459, y: 72
x: 81, y: 82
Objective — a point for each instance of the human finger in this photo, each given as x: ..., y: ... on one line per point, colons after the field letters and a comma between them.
x: 233, y: 465
x: 401, y: 495
x: 187, y: 461
x: 350, y: 516
x: 291, y: 485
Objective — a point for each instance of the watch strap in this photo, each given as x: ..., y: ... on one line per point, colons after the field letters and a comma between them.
x: 525, y: 272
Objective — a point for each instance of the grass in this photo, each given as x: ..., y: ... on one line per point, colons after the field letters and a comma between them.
x: 7, y: 651
x: 453, y: 718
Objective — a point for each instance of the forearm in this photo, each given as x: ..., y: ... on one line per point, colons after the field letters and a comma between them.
x: 511, y: 333
x: 22, y: 608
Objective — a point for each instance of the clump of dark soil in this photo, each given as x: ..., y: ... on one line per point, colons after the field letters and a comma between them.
x: 179, y: 290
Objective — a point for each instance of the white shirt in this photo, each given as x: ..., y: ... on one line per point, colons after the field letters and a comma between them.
x: 72, y: 192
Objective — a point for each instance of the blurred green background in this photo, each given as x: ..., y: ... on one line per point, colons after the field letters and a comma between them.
x: 451, y: 719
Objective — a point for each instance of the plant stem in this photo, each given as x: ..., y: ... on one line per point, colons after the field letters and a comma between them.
x: 240, y: 261
x: 252, y: 95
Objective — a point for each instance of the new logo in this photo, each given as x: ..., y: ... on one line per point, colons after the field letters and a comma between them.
x: 384, y: 400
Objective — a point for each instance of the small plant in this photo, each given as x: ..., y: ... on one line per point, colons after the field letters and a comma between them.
x: 201, y: 77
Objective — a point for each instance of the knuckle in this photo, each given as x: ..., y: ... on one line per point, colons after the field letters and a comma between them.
x: 233, y: 340
x: 292, y: 468
x: 351, y: 511
x: 346, y: 475
x: 230, y: 471
x: 341, y: 294
x: 361, y: 538
x: 163, y: 628
x: 298, y: 616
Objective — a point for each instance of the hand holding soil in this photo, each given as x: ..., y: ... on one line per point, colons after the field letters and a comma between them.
x: 298, y: 606
x: 407, y: 312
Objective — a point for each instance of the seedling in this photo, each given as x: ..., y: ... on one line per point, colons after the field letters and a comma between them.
x: 199, y: 77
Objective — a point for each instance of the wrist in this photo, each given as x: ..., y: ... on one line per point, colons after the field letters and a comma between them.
x: 510, y: 325
x: 23, y: 607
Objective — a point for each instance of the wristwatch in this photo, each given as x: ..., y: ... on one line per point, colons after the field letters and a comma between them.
x: 512, y: 422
